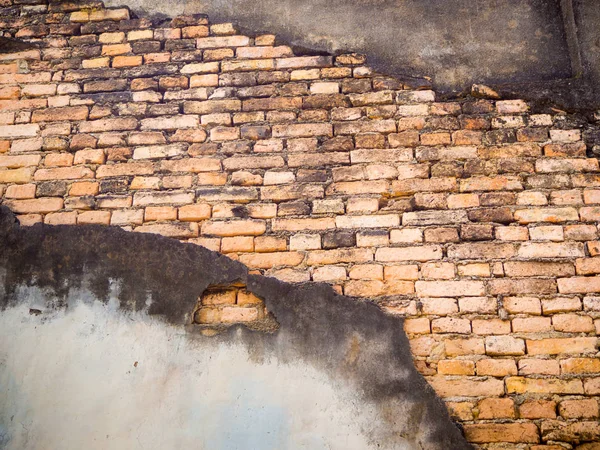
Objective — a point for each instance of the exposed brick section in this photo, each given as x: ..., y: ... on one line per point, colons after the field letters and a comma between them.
x: 475, y: 219
x: 227, y: 305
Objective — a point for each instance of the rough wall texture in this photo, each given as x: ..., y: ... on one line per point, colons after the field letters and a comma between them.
x: 477, y: 220
x: 94, y: 353
x: 532, y: 48
x: 456, y: 42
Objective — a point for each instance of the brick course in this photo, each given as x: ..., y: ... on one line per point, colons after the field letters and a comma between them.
x: 476, y: 219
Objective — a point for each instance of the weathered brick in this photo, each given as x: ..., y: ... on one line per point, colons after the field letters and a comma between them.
x: 554, y: 215
x: 129, y: 169
x: 370, y: 126
x: 579, y: 409
x: 63, y: 173
x: 448, y: 388
x: 17, y: 161
x: 448, y: 288
x: 159, y: 151
x: 127, y: 217
x: 158, y: 198
x: 555, y: 346
x: 303, y: 62
x: 411, y: 186
x: 302, y: 130
x: 496, y: 367
x: 19, y: 131
x: 497, y: 432
x: 538, y: 409
x: 337, y: 256
x: 37, y: 205
x: 98, y: 126
x: 271, y: 260
x: 374, y: 221
x: 174, y: 230
x: 455, y: 366
x: 521, y: 385
x: 94, y: 217
x: 521, y: 286
x: 423, y: 218
x: 234, y: 228
x: 424, y: 253
x: 482, y: 251
x: 551, y: 250
x: 579, y: 285
x: 222, y: 41
x: 580, y: 365
x: 566, y: 165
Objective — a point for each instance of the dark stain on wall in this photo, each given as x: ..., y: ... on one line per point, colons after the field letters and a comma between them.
x: 348, y: 339
x: 454, y: 42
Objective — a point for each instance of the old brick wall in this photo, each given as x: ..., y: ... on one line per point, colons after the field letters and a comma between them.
x: 475, y: 219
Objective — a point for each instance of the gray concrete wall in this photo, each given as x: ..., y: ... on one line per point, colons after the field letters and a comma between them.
x: 587, y: 18
x: 98, y: 350
x: 455, y: 42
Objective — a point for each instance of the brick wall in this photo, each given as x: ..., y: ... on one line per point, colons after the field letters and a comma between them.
x: 475, y: 219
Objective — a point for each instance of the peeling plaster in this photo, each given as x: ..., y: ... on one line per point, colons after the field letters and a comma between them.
x: 338, y: 372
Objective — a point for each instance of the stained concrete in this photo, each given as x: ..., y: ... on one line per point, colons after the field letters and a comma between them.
x: 97, y: 350
x: 455, y: 42
x: 542, y: 50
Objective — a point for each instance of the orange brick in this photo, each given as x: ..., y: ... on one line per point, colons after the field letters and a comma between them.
x: 461, y: 347
x: 237, y: 244
x: 496, y: 432
x: 496, y: 408
x: 496, y: 367
x: 236, y: 314
x: 580, y: 365
x: 37, y: 205
x: 538, y: 409
x: 192, y: 213
x: 160, y: 213
x: 554, y: 346
x: 83, y: 188
x: 266, y: 244
x: 127, y: 61
x: 491, y: 326
x: 94, y: 217
x: 27, y: 220
x: 208, y: 315
x: 234, y: 228
x: 579, y: 409
x: 366, y: 272
x: 466, y: 387
x: 456, y: 367
x: 458, y: 201
x: 89, y: 156
x: 572, y: 323
x: 460, y: 410
x: 520, y: 385
x: 335, y: 273
x: 417, y: 326
x: 245, y: 297
x: 219, y: 297
x: 20, y: 192
x: 61, y: 218
x: 270, y: 260
x: 115, y: 49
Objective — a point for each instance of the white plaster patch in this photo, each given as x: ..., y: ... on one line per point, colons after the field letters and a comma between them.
x: 69, y: 381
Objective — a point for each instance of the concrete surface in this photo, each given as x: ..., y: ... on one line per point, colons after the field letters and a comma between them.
x: 456, y: 42
x: 97, y: 350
